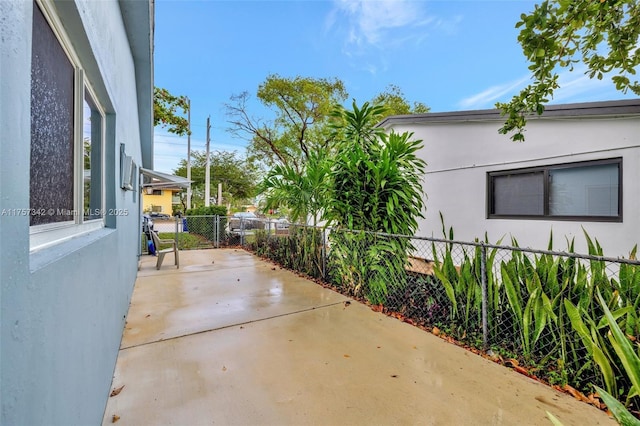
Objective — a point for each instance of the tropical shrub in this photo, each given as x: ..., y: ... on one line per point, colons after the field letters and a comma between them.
x: 375, y: 188
x: 301, y: 249
x: 304, y: 193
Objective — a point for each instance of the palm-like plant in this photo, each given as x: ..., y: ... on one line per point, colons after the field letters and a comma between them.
x: 376, y: 177
x: 376, y: 187
x: 304, y: 193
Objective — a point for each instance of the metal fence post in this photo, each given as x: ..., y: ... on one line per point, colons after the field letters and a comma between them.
x: 324, y: 255
x: 483, y: 272
x: 177, y: 232
x: 218, y: 231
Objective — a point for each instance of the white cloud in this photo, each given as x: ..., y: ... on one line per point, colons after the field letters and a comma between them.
x: 378, y: 23
x: 488, y: 97
x: 370, y: 28
x: 575, y: 86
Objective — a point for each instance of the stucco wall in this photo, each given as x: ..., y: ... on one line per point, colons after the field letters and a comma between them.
x: 459, y: 155
x: 63, y: 307
x: 165, y: 201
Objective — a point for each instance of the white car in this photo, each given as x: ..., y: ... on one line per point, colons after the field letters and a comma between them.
x: 245, y: 220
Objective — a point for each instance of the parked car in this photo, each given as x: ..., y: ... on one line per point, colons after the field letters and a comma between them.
x: 282, y: 223
x: 245, y: 220
x: 159, y: 215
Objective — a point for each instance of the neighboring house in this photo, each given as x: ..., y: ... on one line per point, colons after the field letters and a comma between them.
x: 160, y: 200
x: 579, y: 168
x: 161, y: 191
x: 76, y: 98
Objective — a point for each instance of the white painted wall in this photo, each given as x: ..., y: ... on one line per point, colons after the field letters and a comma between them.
x: 460, y: 154
x: 63, y: 308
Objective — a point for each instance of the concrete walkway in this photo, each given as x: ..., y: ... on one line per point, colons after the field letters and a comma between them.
x: 242, y: 342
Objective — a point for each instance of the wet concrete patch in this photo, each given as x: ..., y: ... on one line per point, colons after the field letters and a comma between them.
x: 237, y: 289
x: 273, y: 348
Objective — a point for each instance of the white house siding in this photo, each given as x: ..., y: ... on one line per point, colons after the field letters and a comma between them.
x: 461, y: 148
x: 63, y: 307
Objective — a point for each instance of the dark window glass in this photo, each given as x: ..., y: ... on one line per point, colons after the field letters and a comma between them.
x: 91, y: 144
x: 579, y: 191
x: 52, y: 94
x: 519, y: 194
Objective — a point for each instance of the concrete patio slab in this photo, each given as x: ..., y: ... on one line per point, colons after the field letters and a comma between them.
x: 201, y: 347
x: 203, y: 295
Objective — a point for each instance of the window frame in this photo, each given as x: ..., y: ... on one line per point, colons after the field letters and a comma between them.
x: 546, y: 169
x: 47, y: 234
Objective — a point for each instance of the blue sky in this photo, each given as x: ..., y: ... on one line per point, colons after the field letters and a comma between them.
x: 450, y: 55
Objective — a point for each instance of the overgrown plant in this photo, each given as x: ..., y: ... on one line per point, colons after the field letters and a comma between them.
x: 376, y: 187
x: 303, y: 192
x: 301, y: 249
x: 630, y: 360
x: 542, y: 308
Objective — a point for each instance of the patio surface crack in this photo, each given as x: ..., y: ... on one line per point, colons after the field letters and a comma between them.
x: 232, y: 325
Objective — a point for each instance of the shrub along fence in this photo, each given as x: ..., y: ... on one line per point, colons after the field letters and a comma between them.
x: 538, y: 310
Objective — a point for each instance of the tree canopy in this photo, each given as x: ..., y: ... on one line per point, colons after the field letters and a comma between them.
x: 395, y: 102
x: 237, y: 175
x: 301, y: 106
x: 302, y: 109
x: 167, y: 109
x: 604, y: 35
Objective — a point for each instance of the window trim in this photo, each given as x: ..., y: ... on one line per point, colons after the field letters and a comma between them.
x: 45, y: 235
x: 545, y: 170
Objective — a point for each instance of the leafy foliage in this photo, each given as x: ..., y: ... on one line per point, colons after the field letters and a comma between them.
x: 166, y: 113
x: 304, y: 193
x: 376, y: 186
x: 604, y: 35
x: 395, y: 102
x: 238, y: 176
x: 302, y: 116
x: 630, y: 360
x: 376, y: 177
x: 301, y: 249
x: 301, y: 106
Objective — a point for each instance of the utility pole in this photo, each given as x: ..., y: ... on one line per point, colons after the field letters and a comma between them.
x: 219, y: 193
x: 189, y: 153
x: 207, y: 172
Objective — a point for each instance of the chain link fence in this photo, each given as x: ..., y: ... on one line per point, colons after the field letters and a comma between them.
x: 537, y: 310
x: 203, y: 232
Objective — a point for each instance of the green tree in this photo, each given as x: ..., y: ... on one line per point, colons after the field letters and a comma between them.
x: 376, y: 177
x: 301, y: 107
x: 395, y: 102
x: 166, y: 113
x: 375, y: 186
x: 603, y: 34
x: 238, y: 176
